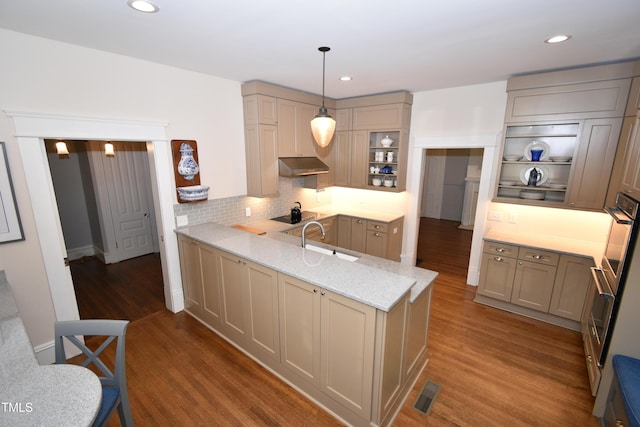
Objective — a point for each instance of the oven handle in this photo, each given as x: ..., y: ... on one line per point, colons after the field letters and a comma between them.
x: 618, y: 215
x: 597, y: 275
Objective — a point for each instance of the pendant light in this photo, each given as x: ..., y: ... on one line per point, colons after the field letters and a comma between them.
x: 323, y: 125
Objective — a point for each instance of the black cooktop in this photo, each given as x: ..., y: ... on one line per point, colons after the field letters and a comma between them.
x: 306, y: 216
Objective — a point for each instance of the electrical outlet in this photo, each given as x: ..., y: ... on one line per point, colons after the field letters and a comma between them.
x: 247, y: 211
x: 513, y: 217
x: 495, y: 216
x: 182, y: 220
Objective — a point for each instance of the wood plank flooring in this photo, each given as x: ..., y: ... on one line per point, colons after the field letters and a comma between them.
x: 494, y: 368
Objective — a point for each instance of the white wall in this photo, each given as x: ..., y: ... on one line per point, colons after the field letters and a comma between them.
x: 40, y: 75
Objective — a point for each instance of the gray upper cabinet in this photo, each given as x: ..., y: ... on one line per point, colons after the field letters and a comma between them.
x: 576, y: 117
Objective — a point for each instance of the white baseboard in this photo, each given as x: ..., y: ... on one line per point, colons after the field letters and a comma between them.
x: 77, y: 253
x: 45, y: 353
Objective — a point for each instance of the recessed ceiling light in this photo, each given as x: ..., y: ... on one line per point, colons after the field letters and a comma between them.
x: 345, y: 78
x: 558, y: 39
x: 143, y: 6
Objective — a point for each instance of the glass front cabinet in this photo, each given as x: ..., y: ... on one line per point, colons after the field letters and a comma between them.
x: 560, y: 164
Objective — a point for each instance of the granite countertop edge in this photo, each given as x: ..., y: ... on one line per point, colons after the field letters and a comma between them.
x: 374, y: 281
x: 582, y: 248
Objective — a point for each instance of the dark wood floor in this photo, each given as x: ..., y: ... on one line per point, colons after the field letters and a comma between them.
x: 494, y: 368
x: 128, y: 290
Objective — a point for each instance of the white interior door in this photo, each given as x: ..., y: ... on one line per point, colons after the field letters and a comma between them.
x: 127, y: 178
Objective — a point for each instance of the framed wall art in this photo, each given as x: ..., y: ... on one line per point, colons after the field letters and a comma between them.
x: 10, y: 226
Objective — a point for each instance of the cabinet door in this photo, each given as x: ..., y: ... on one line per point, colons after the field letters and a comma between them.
x: 300, y: 327
x: 260, y: 109
x: 593, y: 163
x: 294, y: 127
x: 343, y: 238
x: 379, y: 117
x: 347, y: 341
x: 191, y: 276
x: 377, y: 243
x: 261, y: 143
x: 570, y: 287
x: 496, y: 276
x: 630, y: 180
x: 210, y: 286
x: 342, y: 158
x: 233, y: 283
x: 359, y: 160
x: 263, y: 311
x: 358, y: 235
x: 287, y: 128
x: 533, y: 285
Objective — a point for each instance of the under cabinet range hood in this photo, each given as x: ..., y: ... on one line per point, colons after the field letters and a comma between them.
x: 301, y: 166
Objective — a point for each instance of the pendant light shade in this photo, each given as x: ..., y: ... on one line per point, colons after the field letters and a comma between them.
x: 323, y: 125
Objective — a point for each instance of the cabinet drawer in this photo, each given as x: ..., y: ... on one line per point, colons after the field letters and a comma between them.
x: 539, y: 256
x: 502, y: 249
x: 380, y: 227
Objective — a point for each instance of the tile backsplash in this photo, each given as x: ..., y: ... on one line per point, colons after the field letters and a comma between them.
x: 231, y: 210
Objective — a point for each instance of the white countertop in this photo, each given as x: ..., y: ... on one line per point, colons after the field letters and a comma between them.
x: 554, y: 243
x: 374, y: 281
x: 34, y: 395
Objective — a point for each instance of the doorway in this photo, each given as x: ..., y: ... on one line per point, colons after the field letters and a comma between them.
x: 31, y: 129
x: 108, y: 223
x: 449, y: 203
x: 417, y: 168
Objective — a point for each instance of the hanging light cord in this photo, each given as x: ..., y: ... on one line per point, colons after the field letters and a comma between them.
x: 324, y: 51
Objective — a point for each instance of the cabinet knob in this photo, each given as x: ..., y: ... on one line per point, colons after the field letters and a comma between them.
x: 499, y: 259
x: 589, y: 358
x: 500, y: 250
x: 537, y: 256
x: 376, y: 234
x: 315, y: 291
x: 619, y: 423
x: 377, y: 227
x: 322, y: 293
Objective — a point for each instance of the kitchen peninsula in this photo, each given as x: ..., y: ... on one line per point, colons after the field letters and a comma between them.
x: 352, y: 336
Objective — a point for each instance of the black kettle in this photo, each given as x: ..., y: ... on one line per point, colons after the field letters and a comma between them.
x: 534, y: 177
x: 296, y: 214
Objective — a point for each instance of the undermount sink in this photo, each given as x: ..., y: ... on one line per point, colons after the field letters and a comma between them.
x: 326, y: 251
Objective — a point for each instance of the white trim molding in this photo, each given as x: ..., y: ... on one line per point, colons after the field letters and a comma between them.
x: 418, y: 144
x: 31, y: 129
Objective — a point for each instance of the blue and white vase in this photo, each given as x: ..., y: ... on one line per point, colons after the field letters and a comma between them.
x: 187, y: 166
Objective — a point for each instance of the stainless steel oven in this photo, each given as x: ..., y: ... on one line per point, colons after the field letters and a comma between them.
x: 611, y: 277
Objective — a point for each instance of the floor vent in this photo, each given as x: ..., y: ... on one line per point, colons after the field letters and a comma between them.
x: 427, y: 396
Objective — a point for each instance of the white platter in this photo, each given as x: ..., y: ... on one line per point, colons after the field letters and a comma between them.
x: 537, y: 145
x: 532, y: 195
x: 544, y: 174
x: 560, y: 159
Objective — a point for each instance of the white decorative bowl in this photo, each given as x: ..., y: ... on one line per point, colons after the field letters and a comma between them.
x: 193, y: 193
x: 560, y: 159
x: 532, y: 195
x: 376, y: 182
x: 512, y: 158
x: 388, y: 183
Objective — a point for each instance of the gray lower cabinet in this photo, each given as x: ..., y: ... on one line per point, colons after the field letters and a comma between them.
x: 249, y: 295
x: 537, y: 283
x: 355, y: 360
x: 200, y: 280
x: 371, y: 237
x: 329, y: 341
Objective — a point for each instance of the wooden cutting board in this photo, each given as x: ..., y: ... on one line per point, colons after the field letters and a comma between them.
x: 249, y: 229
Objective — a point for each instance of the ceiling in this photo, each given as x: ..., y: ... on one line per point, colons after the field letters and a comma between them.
x: 413, y: 45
